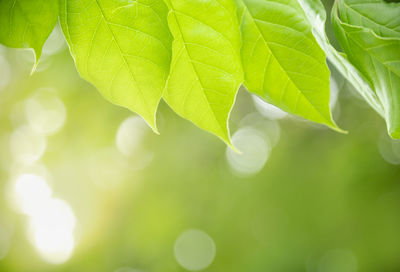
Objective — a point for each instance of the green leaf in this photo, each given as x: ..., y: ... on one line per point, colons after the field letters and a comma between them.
x: 380, y: 16
x: 282, y: 61
x: 121, y: 47
x: 27, y: 23
x: 205, y: 69
x: 378, y: 59
x: 316, y: 14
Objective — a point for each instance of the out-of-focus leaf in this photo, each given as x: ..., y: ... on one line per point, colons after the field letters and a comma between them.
x: 27, y: 23
x: 205, y: 69
x: 282, y: 61
x: 121, y: 47
x: 316, y: 14
x: 378, y: 59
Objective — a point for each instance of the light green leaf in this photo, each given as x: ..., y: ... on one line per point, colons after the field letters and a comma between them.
x: 205, y: 69
x: 316, y: 14
x: 378, y: 59
x: 121, y: 47
x: 282, y: 61
x: 27, y: 23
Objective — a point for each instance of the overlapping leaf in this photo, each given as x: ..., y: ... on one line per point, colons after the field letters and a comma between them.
x: 205, y: 69
x: 282, y: 61
x: 125, y: 48
x: 122, y: 47
x: 377, y: 57
x: 27, y: 23
x: 380, y: 16
x: 316, y: 14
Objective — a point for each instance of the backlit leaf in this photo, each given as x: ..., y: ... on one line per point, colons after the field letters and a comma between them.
x: 316, y: 14
x: 27, y: 23
x: 378, y: 59
x: 121, y: 47
x: 282, y: 61
x: 205, y: 69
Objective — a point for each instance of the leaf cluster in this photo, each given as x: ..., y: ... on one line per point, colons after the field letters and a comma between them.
x: 195, y: 54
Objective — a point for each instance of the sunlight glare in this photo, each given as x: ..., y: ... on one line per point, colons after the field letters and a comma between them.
x: 53, y: 231
x: 31, y: 193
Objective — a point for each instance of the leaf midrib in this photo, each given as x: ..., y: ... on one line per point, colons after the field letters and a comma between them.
x: 123, y: 56
x: 280, y: 65
x: 174, y: 11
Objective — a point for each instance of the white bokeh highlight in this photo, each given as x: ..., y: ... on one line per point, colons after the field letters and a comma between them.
x: 194, y: 250
x: 130, y: 135
x: 254, y: 150
x: 45, y: 112
x: 51, y: 220
x: 53, y: 228
x: 269, y: 128
x: 130, y: 141
x: 26, y: 145
x: 31, y: 192
x: 268, y: 110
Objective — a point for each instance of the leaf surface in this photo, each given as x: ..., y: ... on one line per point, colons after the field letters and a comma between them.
x: 378, y: 59
x: 380, y: 16
x: 316, y: 14
x: 282, y: 61
x: 27, y: 23
x: 121, y: 47
x: 205, y: 69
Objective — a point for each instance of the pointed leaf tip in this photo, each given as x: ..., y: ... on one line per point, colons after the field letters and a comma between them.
x: 205, y: 68
x: 27, y: 24
x: 269, y: 73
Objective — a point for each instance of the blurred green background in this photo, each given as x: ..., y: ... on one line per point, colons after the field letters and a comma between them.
x: 87, y: 186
